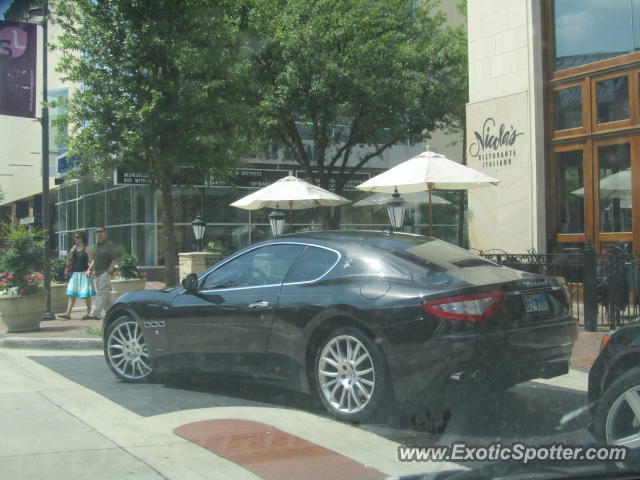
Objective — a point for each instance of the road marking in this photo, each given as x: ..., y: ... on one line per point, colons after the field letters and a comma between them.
x: 271, y: 453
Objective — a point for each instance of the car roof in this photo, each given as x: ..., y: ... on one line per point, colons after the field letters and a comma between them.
x: 348, y: 238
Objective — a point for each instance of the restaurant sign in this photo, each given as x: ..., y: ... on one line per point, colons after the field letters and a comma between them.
x: 496, y: 132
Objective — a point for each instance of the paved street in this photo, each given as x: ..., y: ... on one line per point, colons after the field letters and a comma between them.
x: 66, y: 416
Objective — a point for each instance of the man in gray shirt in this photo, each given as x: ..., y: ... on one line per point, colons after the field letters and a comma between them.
x: 105, y: 257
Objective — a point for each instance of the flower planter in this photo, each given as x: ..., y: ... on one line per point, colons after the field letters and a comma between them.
x: 22, y: 313
x: 59, y: 297
x: 119, y: 287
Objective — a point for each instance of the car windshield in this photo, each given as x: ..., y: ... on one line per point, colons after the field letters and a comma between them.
x: 319, y: 239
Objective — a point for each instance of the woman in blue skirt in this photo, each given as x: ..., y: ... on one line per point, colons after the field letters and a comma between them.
x: 81, y: 281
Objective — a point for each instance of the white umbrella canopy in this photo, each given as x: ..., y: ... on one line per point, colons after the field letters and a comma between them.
x: 426, y: 172
x: 292, y: 193
x: 415, y: 197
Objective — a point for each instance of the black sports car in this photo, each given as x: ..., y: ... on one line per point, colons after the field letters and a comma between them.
x: 614, y: 388
x: 357, y: 318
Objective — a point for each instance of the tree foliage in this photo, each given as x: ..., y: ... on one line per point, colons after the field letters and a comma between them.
x: 360, y: 74
x: 160, y: 87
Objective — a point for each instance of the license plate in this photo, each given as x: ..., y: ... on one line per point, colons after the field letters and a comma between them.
x: 535, y: 303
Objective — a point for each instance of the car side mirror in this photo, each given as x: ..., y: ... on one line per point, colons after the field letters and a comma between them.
x: 190, y: 283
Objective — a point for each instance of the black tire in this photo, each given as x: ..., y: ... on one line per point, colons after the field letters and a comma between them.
x: 615, y: 418
x: 350, y: 375
x: 126, y: 352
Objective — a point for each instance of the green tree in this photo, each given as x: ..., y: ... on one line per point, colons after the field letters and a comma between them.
x: 353, y: 74
x: 160, y: 89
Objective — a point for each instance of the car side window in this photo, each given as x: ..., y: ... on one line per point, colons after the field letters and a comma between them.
x: 313, y: 264
x: 266, y: 265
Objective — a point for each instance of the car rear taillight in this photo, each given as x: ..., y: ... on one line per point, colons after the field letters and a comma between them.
x: 473, y: 308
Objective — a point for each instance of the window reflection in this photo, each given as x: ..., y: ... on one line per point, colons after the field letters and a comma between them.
x: 570, y: 192
x: 568, y: 108
x: 614, y: 173
x: 612, y: 99
x: 591, y: 30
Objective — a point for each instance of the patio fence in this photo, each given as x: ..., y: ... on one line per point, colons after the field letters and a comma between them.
x: 604, y: 288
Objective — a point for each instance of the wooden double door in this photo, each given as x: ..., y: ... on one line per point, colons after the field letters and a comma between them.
x: 596, y: 193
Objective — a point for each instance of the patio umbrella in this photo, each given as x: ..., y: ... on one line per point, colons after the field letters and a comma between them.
x: 290, y: 192
x: 427, y: 171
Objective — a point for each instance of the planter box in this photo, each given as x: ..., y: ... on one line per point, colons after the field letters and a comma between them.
x: 196, y: 262
x: 59, y: 297
x: 118, y: 287
x: 22, y: 313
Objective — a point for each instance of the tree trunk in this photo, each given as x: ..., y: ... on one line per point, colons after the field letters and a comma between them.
x: 170, y: 253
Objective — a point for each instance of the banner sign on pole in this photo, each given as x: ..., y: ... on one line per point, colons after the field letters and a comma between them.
x: 18, y: 56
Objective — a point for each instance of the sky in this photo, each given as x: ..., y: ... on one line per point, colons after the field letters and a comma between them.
x: 4, y: 4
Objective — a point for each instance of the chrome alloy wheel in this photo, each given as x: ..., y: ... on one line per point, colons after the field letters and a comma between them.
x: 623, y: 420
x: 346, y: 374
x: 127, y: 351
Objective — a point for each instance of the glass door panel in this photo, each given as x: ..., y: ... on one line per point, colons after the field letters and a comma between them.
x: 570, y: 192
x: 613, y: 183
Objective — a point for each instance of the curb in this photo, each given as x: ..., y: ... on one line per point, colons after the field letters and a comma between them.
x: 52, y: 343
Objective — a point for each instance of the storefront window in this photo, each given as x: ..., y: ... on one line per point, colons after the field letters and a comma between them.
x: 591, y: 30
x: 144, y: 244
x: 119, y: 206
x: 94, y: 213
x: 570, y: 192
x: 143, y: 205
x: 614, y: 175
x: 612, y: 99
x: 72, y: 215
x: 217, y: 201
x: 121, y: 236
x: 568, y: 108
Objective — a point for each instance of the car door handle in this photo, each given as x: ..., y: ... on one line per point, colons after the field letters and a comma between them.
x: 260, y: 304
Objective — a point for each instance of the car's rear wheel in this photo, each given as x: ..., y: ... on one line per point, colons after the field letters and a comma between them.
x: 617, y: 419
x: 126, y: 351
x: 350, y: 375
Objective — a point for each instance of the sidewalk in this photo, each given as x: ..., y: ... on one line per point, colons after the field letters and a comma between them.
x: 64, y: 334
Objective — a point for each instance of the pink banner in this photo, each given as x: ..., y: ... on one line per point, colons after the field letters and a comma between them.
x: 18, y: 55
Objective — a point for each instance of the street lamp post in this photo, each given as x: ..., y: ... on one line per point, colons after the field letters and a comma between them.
x: 199, y: 226
x: 46, y: 227
x: 277, y: 219
x: 395, y: 209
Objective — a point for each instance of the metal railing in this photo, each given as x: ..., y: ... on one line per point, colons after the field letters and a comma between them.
x: 604, y: 288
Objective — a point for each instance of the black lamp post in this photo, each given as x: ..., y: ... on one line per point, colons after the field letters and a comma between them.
x: 277, y: 218
x: 199, y: 226
x: 44, y: 12
x: 395, y: 209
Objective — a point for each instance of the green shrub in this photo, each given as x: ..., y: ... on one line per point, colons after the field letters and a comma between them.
x: 58, y: 267
x: 128, y: 266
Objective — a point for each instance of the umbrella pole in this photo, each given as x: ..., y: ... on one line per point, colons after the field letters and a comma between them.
x: 291, y: 215
x: 430, y: 187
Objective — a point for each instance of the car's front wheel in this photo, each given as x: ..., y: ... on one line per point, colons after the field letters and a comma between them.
x: 350, y: 375
x: 126, y: 351
x: 617, y: 419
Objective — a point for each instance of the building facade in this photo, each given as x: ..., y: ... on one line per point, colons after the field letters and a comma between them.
x: 132, y: 212
x: 554, y: 114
